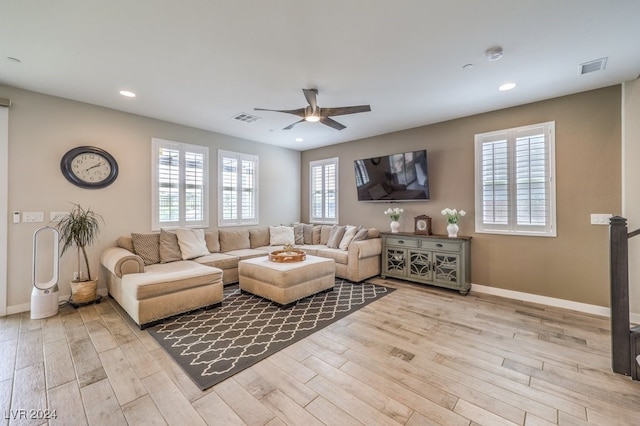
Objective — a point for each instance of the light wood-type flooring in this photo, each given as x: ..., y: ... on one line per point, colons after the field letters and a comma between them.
x: 418, y: 356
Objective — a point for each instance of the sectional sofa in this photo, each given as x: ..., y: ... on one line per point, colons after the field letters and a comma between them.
x: 156, y: 275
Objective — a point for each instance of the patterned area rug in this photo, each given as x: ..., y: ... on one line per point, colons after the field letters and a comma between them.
x: 212, y: 345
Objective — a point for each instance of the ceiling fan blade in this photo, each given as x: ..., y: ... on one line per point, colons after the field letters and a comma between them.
x: 332, y: 123
x: 311, y: 95
x: 290, y: 126
x: 327, y: 112
x: 299, y: 112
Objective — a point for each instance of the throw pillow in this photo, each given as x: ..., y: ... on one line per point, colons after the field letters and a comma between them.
x: 234, y: 239
x: 373, y: 233
x: 147, y: 246
x: 307, y: 234
x: 324, y: 234
x: 169, y: 247
x: 259, y: 237
x: 361, y: 235
x: 281, y: 235
x: 298, y: 233
x: 212, y: 240
x: 315, y: 235
x: 335, y: 236
x: 192, y: 243
x: 349, y: 233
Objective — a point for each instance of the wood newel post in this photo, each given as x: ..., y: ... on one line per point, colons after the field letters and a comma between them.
x: 619, y: 270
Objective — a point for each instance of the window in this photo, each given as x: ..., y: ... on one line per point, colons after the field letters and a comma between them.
x: 180, y: 185
x: 237, y: 189
x: 324, y: 190
x: 515, y: 181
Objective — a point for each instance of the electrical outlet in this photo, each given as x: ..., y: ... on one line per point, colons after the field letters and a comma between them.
x: 600, y: 219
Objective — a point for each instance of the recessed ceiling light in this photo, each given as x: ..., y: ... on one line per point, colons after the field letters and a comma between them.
x: 12, y: 59
x: 467, y: 66
x: 127, y: 93
x: 494, y: 53
x: 299, y: 140
x: 507, y: 86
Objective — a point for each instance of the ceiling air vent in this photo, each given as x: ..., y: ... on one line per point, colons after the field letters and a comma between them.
x: 592, y: 66
x: 246, y: 118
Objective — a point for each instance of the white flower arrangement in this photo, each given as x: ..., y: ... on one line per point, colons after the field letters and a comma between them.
x: 394, y: 213
x: 453, y: 215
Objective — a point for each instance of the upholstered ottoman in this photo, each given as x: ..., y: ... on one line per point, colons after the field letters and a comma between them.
x: 286, y: 283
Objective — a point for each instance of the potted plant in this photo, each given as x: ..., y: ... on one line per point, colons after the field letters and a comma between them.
x: 79, y: 229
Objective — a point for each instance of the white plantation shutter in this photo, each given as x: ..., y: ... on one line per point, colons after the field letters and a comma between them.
x: 180, y: 190
x: 515, y: 181
x: 324, y: 190
x: 237, y: 189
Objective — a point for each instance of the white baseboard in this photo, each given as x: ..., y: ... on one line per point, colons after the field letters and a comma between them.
x: 26, y: 307
x: 550, y: 301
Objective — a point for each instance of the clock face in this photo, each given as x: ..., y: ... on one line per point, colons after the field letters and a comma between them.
x: 89, y: 167
x: 421, y: 225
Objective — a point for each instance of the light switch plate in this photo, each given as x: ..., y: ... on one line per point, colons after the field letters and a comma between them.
x: 600, y: 218
x: 33, y: 217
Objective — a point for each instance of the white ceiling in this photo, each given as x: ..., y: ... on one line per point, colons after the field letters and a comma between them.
x: 199, y: 63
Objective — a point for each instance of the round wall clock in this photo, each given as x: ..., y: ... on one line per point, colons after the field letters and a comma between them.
x: 89, y: 167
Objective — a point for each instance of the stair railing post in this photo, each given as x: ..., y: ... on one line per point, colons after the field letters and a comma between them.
x: 619, y: 273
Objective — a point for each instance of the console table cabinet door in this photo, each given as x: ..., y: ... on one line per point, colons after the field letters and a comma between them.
x: 428, y: 259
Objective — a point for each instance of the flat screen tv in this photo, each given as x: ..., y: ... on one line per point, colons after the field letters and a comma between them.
x: 393, y: 178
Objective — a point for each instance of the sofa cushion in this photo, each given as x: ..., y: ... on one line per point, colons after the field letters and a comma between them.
x: 247, y: 253
x: 169, y: 247
x: 219, y: 260
x: 192, y: 243
x: 307, y: 233
x: 325, y: 232
x: 147, y: 246
x: 234, y: 239
x: 349, y: 233
x: 361, y: 235
x: 213, y: 243
x: 373, y: 233
x: 315, y: 234
x: 166, y: 278
x: 126, y: 243
x: 298, y: 233
x: 258, y: 237
x: 280, y: 235
x: 335, y: 236
x: 340, y: 256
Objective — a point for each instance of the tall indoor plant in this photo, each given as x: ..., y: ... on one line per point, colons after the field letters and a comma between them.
x: 80, y: 228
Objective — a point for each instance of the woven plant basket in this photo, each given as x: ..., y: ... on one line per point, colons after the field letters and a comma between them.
x: 84, y: 291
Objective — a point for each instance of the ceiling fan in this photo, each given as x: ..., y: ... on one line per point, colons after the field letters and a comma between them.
x: 313, y: 113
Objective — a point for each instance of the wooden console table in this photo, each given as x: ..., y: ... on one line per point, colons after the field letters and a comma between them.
x: 429, y: 259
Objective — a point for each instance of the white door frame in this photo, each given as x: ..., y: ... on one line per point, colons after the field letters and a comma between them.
x: 4, y: 206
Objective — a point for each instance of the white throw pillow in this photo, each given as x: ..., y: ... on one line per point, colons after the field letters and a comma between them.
x: 192, y: 243
x: 281, y: 235
x: 349, y: 233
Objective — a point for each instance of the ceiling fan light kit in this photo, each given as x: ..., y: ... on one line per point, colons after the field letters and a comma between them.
x: 313, y: 113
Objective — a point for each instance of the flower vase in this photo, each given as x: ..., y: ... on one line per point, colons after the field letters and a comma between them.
x: 452, y: 230
x: 395, y: 226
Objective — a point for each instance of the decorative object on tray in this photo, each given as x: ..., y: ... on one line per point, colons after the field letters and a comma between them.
x: 422, y: 225
x: 453, y: 216
x: 394, y: 215
x: 287, y: 254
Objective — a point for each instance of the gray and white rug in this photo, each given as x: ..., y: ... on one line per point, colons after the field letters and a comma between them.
x: 212, y: 345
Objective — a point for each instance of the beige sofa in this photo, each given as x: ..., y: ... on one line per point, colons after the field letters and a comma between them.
x: 156, y: 275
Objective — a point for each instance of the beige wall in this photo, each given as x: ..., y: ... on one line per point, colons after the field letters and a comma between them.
x: 42, y: 128
x: 574, y: 266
